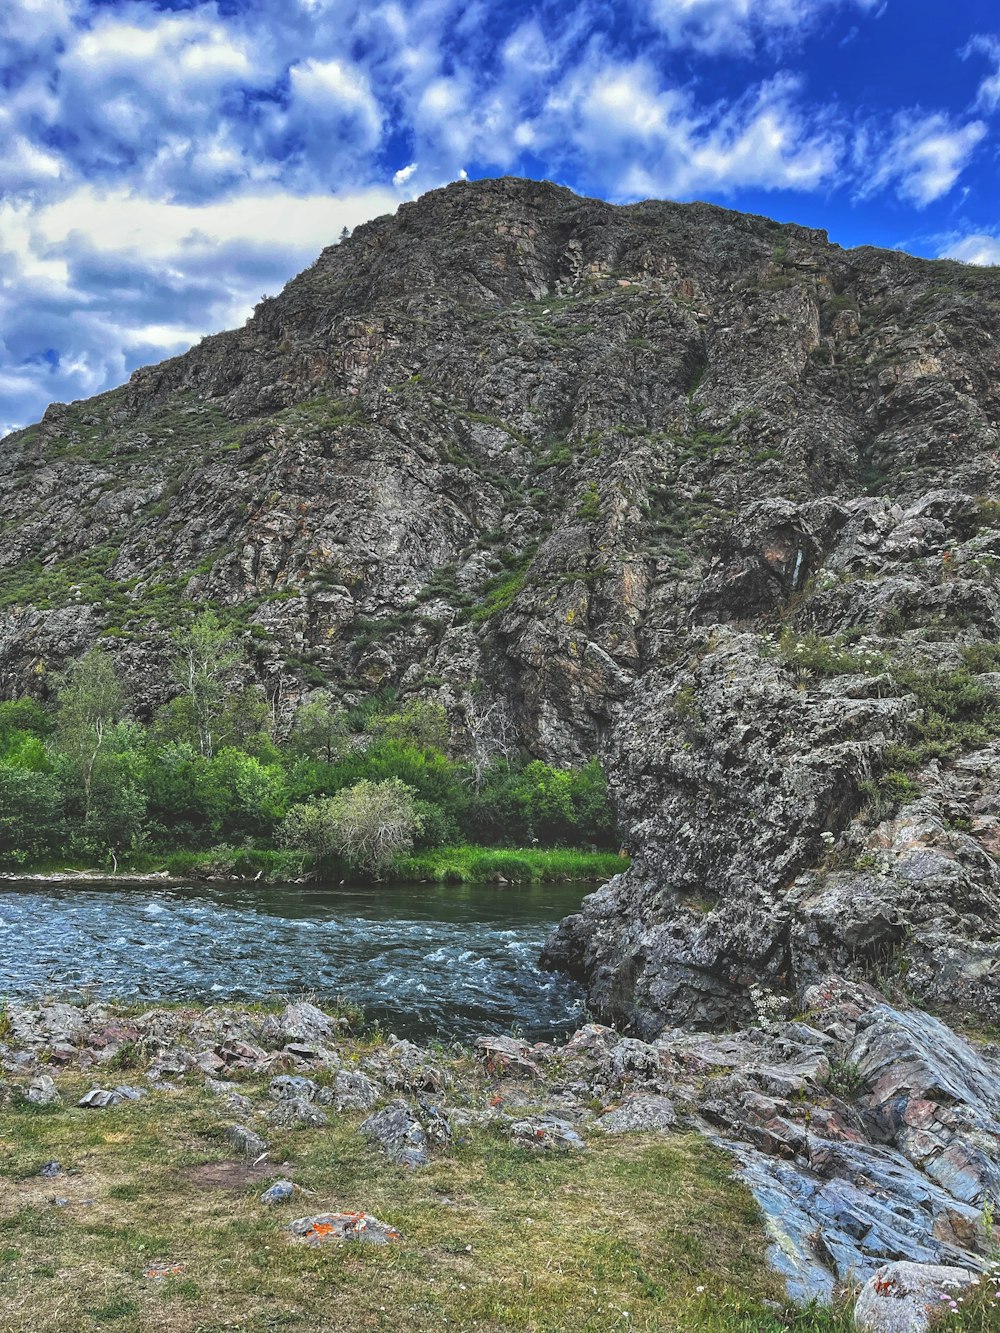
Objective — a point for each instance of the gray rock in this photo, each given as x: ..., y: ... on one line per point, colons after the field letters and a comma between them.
x: 324, y: 1227
x: 42, y: 1091
x: 404, y: 1067
x: 246, y: 1141
x: 354, y: 1091
x: 287, y: 1087
x: 908, y: 1298
x: 280, y: 1192
x: 297, y: 1111
x: 50, y: 1170
x: 633, y: 1060
x: 303, y: 1022
x: 397, y: 1130
x: 639, y: 1114
x: 547, y: 1132
x: 507, y: 1055
x: 50, y: 1025
x: 126, y: 1093
x: 239, y: 1105
x: 220, y: 1087
x: 102, y: 1097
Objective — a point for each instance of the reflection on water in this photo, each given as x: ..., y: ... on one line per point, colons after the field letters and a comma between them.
x: 449, y: 961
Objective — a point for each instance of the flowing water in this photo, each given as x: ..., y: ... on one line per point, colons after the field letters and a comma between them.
x: 446, y: 961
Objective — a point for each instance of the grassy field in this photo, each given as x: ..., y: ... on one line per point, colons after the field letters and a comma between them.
x: 636, y: 1233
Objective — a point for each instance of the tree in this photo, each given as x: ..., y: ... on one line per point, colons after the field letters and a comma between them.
x: 205, y: 654
x: 493, y: 735
x: 31, y: 811
x: 319, y: 729
x: 89, y: 702
x: 116, y: 819
x: 419, y: 721
x: 368, y: 824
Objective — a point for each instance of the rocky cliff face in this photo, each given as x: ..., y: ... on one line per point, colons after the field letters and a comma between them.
x: 700, y: 492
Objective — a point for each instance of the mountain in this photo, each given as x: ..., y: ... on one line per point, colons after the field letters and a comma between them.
x: 698, y: 492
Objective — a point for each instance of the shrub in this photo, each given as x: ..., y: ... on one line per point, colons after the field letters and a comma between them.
x: 368, y: 824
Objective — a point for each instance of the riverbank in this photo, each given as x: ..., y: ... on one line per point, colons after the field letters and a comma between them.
x: 466, y: 864
x: 153, y: 1216
x: 199, y: 1170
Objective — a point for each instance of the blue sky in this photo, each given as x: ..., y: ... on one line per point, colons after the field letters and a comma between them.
x: 162, y: 165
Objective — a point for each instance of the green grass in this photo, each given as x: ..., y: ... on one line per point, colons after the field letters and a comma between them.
x: 472, y: 865
x: 467, y: 864
x: 639, y: 1233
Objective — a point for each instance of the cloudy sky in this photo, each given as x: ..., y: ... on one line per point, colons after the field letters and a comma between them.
x: 164, y: 163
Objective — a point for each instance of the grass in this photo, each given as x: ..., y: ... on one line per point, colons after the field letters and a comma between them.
x: 480, y: 865
x: 467, y: 864
x: 625, y: 1235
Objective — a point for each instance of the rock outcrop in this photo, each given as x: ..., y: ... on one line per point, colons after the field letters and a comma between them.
x: 701, y: 493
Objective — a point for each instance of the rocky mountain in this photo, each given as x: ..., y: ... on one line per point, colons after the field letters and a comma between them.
x: 701, y: 493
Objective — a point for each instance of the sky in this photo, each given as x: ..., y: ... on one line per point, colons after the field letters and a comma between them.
x: 165, y: 163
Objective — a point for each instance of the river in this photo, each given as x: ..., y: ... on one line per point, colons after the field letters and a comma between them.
x: 425, y: 961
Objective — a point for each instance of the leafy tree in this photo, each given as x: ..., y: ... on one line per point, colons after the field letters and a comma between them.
x: 89, y: 702
x: 116, y: 818
x: 23, y: 715
x: 205, y: 654
x: 319, y: 729
x: 368, y: 824
x: 255, y: 793
x: 419, y: 722
x: 247, y: 722
x: 31, y: 811
x: 186, y: 798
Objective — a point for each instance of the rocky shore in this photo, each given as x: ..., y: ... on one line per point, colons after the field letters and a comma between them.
x: 868, y: 1135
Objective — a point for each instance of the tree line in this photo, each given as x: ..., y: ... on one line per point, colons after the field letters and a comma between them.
x: 81, y: 780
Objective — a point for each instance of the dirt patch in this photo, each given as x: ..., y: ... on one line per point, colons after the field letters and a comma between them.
x: 234, y: 1175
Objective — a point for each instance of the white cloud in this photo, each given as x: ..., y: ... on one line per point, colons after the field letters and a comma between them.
x: 332, y: 107
x: 403, y: 174
x: 639, y: 138
x: 988, y: 94
x: 921, y: 155
x: 158, y: 229
x: 713, y: 27
x: 980, y: 248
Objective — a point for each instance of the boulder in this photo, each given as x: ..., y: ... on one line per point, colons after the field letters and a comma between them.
x: 907, y: 1297
x: 507, y: 1055
x: 42, y: 1091
x: 101, y: 1097
x: 640, y: 1113
x: 304, y: 1023
x: 288, y: 1087
x: 547, y: 1132
x: 280, y: 1192
x: 246, y: 1141
x: 353, y: 1091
